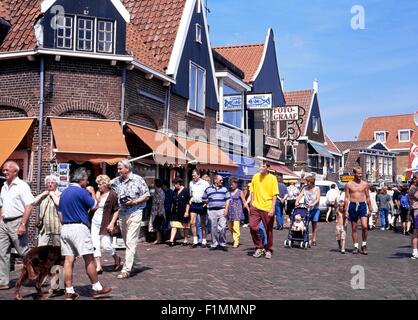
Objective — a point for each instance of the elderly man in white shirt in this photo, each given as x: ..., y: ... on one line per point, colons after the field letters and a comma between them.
x: 197, y: 188
x: 16, y: 200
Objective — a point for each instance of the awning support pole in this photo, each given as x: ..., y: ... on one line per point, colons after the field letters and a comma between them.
x: 141, y: 157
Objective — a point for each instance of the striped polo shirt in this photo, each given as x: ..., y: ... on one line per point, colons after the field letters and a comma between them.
x: 216, y: 197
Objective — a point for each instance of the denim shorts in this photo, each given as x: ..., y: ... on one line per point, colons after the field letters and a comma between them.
x: 315, y: 214
x: 357, y: 211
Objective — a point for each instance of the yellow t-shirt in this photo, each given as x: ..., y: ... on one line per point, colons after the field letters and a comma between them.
x: 263, y: 190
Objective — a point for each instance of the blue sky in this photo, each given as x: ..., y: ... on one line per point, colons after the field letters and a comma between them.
x: 361, y: 73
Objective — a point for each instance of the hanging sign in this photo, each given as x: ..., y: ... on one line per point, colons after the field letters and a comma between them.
x: 233, y: 103
x: 260, y: 101
x: 288, y: 113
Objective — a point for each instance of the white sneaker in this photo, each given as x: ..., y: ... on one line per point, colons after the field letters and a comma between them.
x: 414, y: 256
x: 383, y: 229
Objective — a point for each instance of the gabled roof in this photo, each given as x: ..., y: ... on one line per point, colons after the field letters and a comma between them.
x: 353, y: 145
x: 22, y: 15
x: 390, y: 124
x: 155, y: 23
x: 352, y: 160
x: 246, y: 57
x: 331, y: 146
x: 302, y: 98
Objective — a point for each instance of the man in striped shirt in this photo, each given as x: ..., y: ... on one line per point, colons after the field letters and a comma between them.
x: 217, y: 197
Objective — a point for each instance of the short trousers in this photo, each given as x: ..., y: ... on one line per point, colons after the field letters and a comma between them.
x: 416, y: 219
x: 357, y: 210
x: 197, y: 208
x: 341, y: 232
x: 315, y: 213
x: 76, y: 240
x: 404, y: 215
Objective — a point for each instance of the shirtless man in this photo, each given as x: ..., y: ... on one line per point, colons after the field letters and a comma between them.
x: 356, y: 196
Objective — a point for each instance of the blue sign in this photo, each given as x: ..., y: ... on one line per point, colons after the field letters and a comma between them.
x: 233, y: 103
x: 260, y: 101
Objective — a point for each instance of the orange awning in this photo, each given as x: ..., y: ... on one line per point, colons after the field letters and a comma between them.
x: 12, y: 132
x: 164, y: 150
x: 82, y: 140
x: 207, y: 156
x: 281, y: 169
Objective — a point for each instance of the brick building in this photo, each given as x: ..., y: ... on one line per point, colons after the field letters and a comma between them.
x: 397, y: 132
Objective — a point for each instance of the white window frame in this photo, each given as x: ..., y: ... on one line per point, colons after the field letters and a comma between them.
x: 105, y: 32
x: 64, y: 38
x: 85, y: 31
x: 198, y: 33
x: 315, y: 124
x: 403, y: 131
x: 189, y: 109
x: 380, y: 132
x: 239, y: 90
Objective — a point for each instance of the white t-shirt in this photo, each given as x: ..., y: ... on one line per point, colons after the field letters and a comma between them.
x: 15, y: 198
x: 197, y: 189
x: 332, y: 195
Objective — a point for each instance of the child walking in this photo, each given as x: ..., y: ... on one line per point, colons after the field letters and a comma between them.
x: 341, y: 226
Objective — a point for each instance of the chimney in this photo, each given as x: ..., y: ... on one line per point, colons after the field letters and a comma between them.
x: 315, y: 86
x: 282, y: 83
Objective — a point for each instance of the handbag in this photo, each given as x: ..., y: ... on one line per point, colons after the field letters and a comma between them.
x: 116, y: 232
x: 158, y: 222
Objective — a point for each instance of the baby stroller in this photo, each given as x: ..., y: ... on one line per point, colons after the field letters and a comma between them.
x: 299, y: 237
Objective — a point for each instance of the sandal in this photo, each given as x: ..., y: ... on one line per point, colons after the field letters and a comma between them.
x: 118, y: 264
x: 123, y: 275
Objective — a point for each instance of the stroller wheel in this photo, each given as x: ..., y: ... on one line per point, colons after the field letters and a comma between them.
x: 285, y: 243
x: 301, y: 245
x: 306, y: 245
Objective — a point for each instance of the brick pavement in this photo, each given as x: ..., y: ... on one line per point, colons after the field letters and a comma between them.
x: 317, y: 273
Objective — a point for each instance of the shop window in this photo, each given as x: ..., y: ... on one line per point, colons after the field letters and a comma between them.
x: 64, y: 32
x: 197, y: 89
x: 85, y: 34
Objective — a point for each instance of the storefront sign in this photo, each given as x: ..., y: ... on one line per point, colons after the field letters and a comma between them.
x: 288, y: 113
x: 270, y: 141
x: 63, y: 175
x: 233, y: 103
x: 274, y: 153
x: 259, y: 101
x: 347, y: 178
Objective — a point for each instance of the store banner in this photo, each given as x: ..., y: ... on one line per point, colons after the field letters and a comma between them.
x: 233, y: 103
x: 260, y: 101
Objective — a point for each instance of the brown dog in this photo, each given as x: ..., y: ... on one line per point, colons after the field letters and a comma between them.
x: 37, y: 264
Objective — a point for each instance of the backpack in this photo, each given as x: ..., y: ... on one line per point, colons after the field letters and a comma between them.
x: 404, y: 200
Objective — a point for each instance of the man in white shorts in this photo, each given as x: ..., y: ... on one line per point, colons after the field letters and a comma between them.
x: 75, y: 203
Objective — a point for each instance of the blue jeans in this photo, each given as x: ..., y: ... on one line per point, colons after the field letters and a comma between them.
x: 279, y: 215
x: 199, y: 227
x: 263, y: 233
x: 384, y: 217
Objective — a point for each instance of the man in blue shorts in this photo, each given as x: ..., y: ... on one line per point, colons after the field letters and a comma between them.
x: 357, y: 199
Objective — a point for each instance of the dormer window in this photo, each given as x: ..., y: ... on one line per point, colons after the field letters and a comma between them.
x: 65, y: 33
x: 88, y: 34
x: 404, y: 135
x: 380, y: 136
x: 198, y: 33
x: 85, y: 34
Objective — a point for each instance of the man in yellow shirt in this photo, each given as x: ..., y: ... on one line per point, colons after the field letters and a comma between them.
x: 263, y: 189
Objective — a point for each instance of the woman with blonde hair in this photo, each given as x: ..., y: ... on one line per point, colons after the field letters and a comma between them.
x: 104, y: 220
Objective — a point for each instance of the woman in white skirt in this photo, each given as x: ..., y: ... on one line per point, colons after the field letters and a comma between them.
x: 104, y: 219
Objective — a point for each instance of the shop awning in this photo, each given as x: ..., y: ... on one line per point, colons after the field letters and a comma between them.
x: 321, y: 149
x: 83, y: 140
x: 247, y: 167
x: 164, y: 150
x: 281, y: 169
x: 207, y: 156
x: 12, y: 133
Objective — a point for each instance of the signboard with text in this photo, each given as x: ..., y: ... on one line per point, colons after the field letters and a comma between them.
x: 260, y: 101
x: 288, y: 113
x: 270, y: 141
x: 233, y: 103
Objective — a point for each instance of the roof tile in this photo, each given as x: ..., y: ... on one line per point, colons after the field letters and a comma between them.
x: 390, y: 124
x: 302, y: 98
x: 330, y: 145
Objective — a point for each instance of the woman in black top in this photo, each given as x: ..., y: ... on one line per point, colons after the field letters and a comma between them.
x: 181, y: 199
